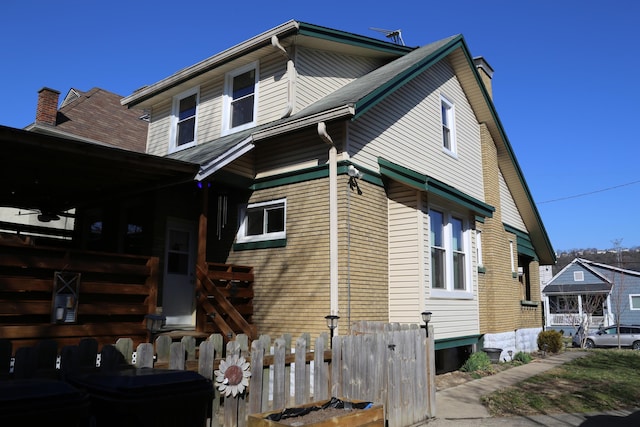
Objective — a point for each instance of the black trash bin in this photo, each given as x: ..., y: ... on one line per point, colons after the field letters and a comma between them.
x: 146, y: 397
x: 45, y: 402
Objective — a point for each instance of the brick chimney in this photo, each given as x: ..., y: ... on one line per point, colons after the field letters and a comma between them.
x: 486, y: 73
x: 47, y: 106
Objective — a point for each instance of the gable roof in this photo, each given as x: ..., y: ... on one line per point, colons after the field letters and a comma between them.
x: 97, y: 116
x: 357, y: 97
x: 597, y: 274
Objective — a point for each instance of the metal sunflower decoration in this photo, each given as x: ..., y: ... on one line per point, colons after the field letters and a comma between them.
x: 233, y: 376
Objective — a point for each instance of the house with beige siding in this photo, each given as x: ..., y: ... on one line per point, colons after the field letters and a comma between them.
x: 355, y: 177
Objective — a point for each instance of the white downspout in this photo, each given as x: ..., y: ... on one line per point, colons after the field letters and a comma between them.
x: 333, y: 216
x: 291, y: 76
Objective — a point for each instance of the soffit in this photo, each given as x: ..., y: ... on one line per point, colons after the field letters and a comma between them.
x: 51, y: 173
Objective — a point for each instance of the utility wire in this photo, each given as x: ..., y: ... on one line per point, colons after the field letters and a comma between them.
x: 589, y: 193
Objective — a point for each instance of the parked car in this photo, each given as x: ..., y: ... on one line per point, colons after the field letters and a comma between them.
x: 608, y: 337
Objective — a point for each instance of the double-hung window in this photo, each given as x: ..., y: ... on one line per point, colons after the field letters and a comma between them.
x: 263, y: 221
x: 448, y: 125
x: 450, y: 260
x: 240, y: 99
x: 184, y: 120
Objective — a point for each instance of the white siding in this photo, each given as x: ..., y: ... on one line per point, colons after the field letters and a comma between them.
x: 510, y: 213
x: 406, y: 129
x: 321, y: 73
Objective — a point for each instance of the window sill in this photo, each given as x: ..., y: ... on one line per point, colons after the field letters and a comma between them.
x: 526, y: 303
x: 446, y: 294
x: 265, y: 244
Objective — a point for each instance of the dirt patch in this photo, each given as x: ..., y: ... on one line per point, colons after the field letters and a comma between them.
x: 315, y: 416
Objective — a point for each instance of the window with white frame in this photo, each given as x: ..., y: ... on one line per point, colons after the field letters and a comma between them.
x: 263, y: 221
x: 634, y: 301
x: 450, y: 261
x: 578, y: 276
x: 184, y: 120
x: 240, y: 99
x: 448, y: 125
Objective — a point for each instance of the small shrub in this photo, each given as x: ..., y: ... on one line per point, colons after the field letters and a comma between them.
x: 522, y: 357
x: 478, y: 361
x: 550, y: 341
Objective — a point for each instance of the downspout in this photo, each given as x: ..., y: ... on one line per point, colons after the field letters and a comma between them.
x: 291, y: 76
x: 333, y: 217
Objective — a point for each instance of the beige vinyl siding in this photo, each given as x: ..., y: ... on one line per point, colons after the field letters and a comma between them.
x: 210, y: 110
x: 413, y: 137
x: 510, y: 213
x: 406, y: 257
x: 296, y: 151
x: 272, y: 101
x: 410, y: 272
x: 272, y: 88
x: 451, y: 317
x: 159, y: 129
x: 321, y: 73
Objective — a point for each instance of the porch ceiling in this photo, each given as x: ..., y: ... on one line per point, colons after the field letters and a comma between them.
x: 54, y: 174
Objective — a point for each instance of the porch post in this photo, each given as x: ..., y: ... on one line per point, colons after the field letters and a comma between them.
x: 201, y: 316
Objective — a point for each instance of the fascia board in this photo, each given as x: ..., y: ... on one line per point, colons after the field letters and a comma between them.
x: 210, y: 63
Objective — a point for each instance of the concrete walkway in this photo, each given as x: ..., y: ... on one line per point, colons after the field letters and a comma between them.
x: 460, y: 405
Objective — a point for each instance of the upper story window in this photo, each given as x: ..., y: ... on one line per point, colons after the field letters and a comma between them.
x: 263, y: 221
x: 578, y: 276
x: 450, y: 260
x: 634, y: 301
x: 240, y: 99
x: 184, y: 120
x: 448, y: 125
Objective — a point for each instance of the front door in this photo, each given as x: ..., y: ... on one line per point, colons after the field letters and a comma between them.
x: 178, y: 297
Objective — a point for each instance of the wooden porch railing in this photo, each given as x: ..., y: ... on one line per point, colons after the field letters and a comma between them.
x: 111, y: 295
x: 225, y: 300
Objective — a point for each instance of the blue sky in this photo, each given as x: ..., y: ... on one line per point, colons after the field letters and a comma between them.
x: 565, y: 83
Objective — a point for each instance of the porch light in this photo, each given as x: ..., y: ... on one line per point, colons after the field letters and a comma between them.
x: 332, y: 323
x: 154, y: 322
x: 426, y: 318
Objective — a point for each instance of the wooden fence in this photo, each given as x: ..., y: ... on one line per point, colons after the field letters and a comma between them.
x: 388, y: 364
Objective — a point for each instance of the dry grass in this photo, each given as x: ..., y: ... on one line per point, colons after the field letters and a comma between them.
x: 604, y: 380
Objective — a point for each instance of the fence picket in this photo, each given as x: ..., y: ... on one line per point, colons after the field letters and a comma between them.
x: 391, y: 364
x: 144, y: 355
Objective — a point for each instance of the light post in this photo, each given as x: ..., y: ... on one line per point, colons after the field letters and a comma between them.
x: 332, y: 323
x: 426, y: 318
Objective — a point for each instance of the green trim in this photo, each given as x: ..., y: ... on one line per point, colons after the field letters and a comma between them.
x: 529, y: 303
x: 480, y: 219
x: 265, y: 244
x: 524, y: 243
x: 445, y: 343
x: 330, y: 34
x: 482, y: 270
x: 514, y: 275
x: 434, y: 186
x: 382, y: 91
x: 315, y: 172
